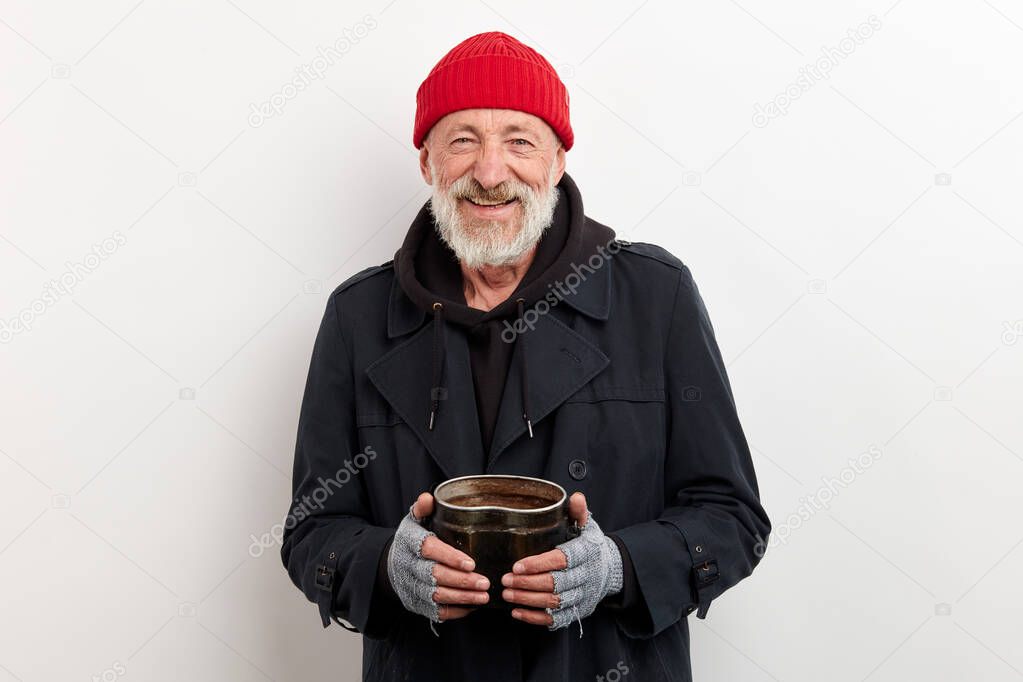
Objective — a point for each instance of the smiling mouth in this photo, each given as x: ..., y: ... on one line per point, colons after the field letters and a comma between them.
x: 492, y: 204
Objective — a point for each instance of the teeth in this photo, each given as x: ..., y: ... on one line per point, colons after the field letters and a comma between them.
x: 495, y: 203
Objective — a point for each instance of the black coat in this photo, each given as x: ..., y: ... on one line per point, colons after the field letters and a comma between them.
x: 630, y: 404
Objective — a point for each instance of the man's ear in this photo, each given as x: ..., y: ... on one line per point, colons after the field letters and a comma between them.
x: 424, y: 164
x: 559, y: 164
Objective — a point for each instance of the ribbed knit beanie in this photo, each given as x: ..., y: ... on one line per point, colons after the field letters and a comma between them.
x: 492, y: 71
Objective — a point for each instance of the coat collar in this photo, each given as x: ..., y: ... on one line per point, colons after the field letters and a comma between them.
x: 591, y: 298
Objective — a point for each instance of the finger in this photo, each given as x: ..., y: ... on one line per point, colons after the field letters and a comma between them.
x: 438, y: 550
x: 539, y: 582
x: 449, y: 595
x: 571, y: 577
x: 554, y: 560
x: 577, y: 509
x: 571, y: 597
x: 533, y: 616
x: 423, y: 506
x: 450, y: 577
x: 542, y: 600
x: 453, y: 612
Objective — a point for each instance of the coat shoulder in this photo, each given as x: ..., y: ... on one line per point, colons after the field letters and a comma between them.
x: 364, y: 275
x: 653, y: 252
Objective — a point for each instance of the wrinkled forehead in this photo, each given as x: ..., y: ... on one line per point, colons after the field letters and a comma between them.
x: 492, y: 122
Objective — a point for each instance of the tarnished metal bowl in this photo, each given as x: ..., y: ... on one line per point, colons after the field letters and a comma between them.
x: 498, y: 520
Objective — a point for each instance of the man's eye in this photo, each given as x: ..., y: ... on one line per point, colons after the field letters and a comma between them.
x: 462, y: 139
x: 524, y: 141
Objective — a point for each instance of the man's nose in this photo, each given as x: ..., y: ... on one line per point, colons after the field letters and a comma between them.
x: 490, y: 169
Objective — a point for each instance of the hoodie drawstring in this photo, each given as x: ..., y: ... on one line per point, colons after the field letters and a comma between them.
x: 522, y: 358
x: 438, y: 362
x: 437, y: 391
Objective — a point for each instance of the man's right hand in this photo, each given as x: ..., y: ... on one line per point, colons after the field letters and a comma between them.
x: 431, y: 577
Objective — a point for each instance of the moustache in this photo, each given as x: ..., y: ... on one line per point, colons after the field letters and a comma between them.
x: 499, y: 194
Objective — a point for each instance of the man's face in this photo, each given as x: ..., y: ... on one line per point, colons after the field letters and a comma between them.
x: 494, y: 174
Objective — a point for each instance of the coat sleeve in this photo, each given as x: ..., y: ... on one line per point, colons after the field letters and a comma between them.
x: 330, y: 549
x: 713, y: 529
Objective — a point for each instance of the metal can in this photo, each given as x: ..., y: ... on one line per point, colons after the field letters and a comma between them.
x: 498, y: 520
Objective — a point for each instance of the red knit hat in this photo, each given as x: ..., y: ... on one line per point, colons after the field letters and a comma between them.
x: 493, y: 71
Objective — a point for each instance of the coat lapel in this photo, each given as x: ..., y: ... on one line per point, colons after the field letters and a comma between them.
x: 559, y: 362
x: 403, y: 377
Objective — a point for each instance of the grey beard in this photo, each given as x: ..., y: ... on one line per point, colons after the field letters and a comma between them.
x: 487, y: 244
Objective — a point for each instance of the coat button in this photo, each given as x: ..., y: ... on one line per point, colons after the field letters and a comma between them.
x: 699, y: 548
x: 577, y: 469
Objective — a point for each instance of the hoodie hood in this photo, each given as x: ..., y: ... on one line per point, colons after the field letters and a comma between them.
x: 428, y: 273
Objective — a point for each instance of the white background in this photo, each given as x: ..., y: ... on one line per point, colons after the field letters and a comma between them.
x: 861, y: 257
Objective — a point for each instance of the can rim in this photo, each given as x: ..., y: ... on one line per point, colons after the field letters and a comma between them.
x: 494, y: 507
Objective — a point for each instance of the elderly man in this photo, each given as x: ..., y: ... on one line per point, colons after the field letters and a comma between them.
x: 512, y: 334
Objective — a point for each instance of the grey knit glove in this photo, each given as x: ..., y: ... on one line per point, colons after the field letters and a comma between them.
x: 411, y: 575
x: 594, y: 571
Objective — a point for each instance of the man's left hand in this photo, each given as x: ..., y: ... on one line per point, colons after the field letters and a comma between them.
x: 569, y: 581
